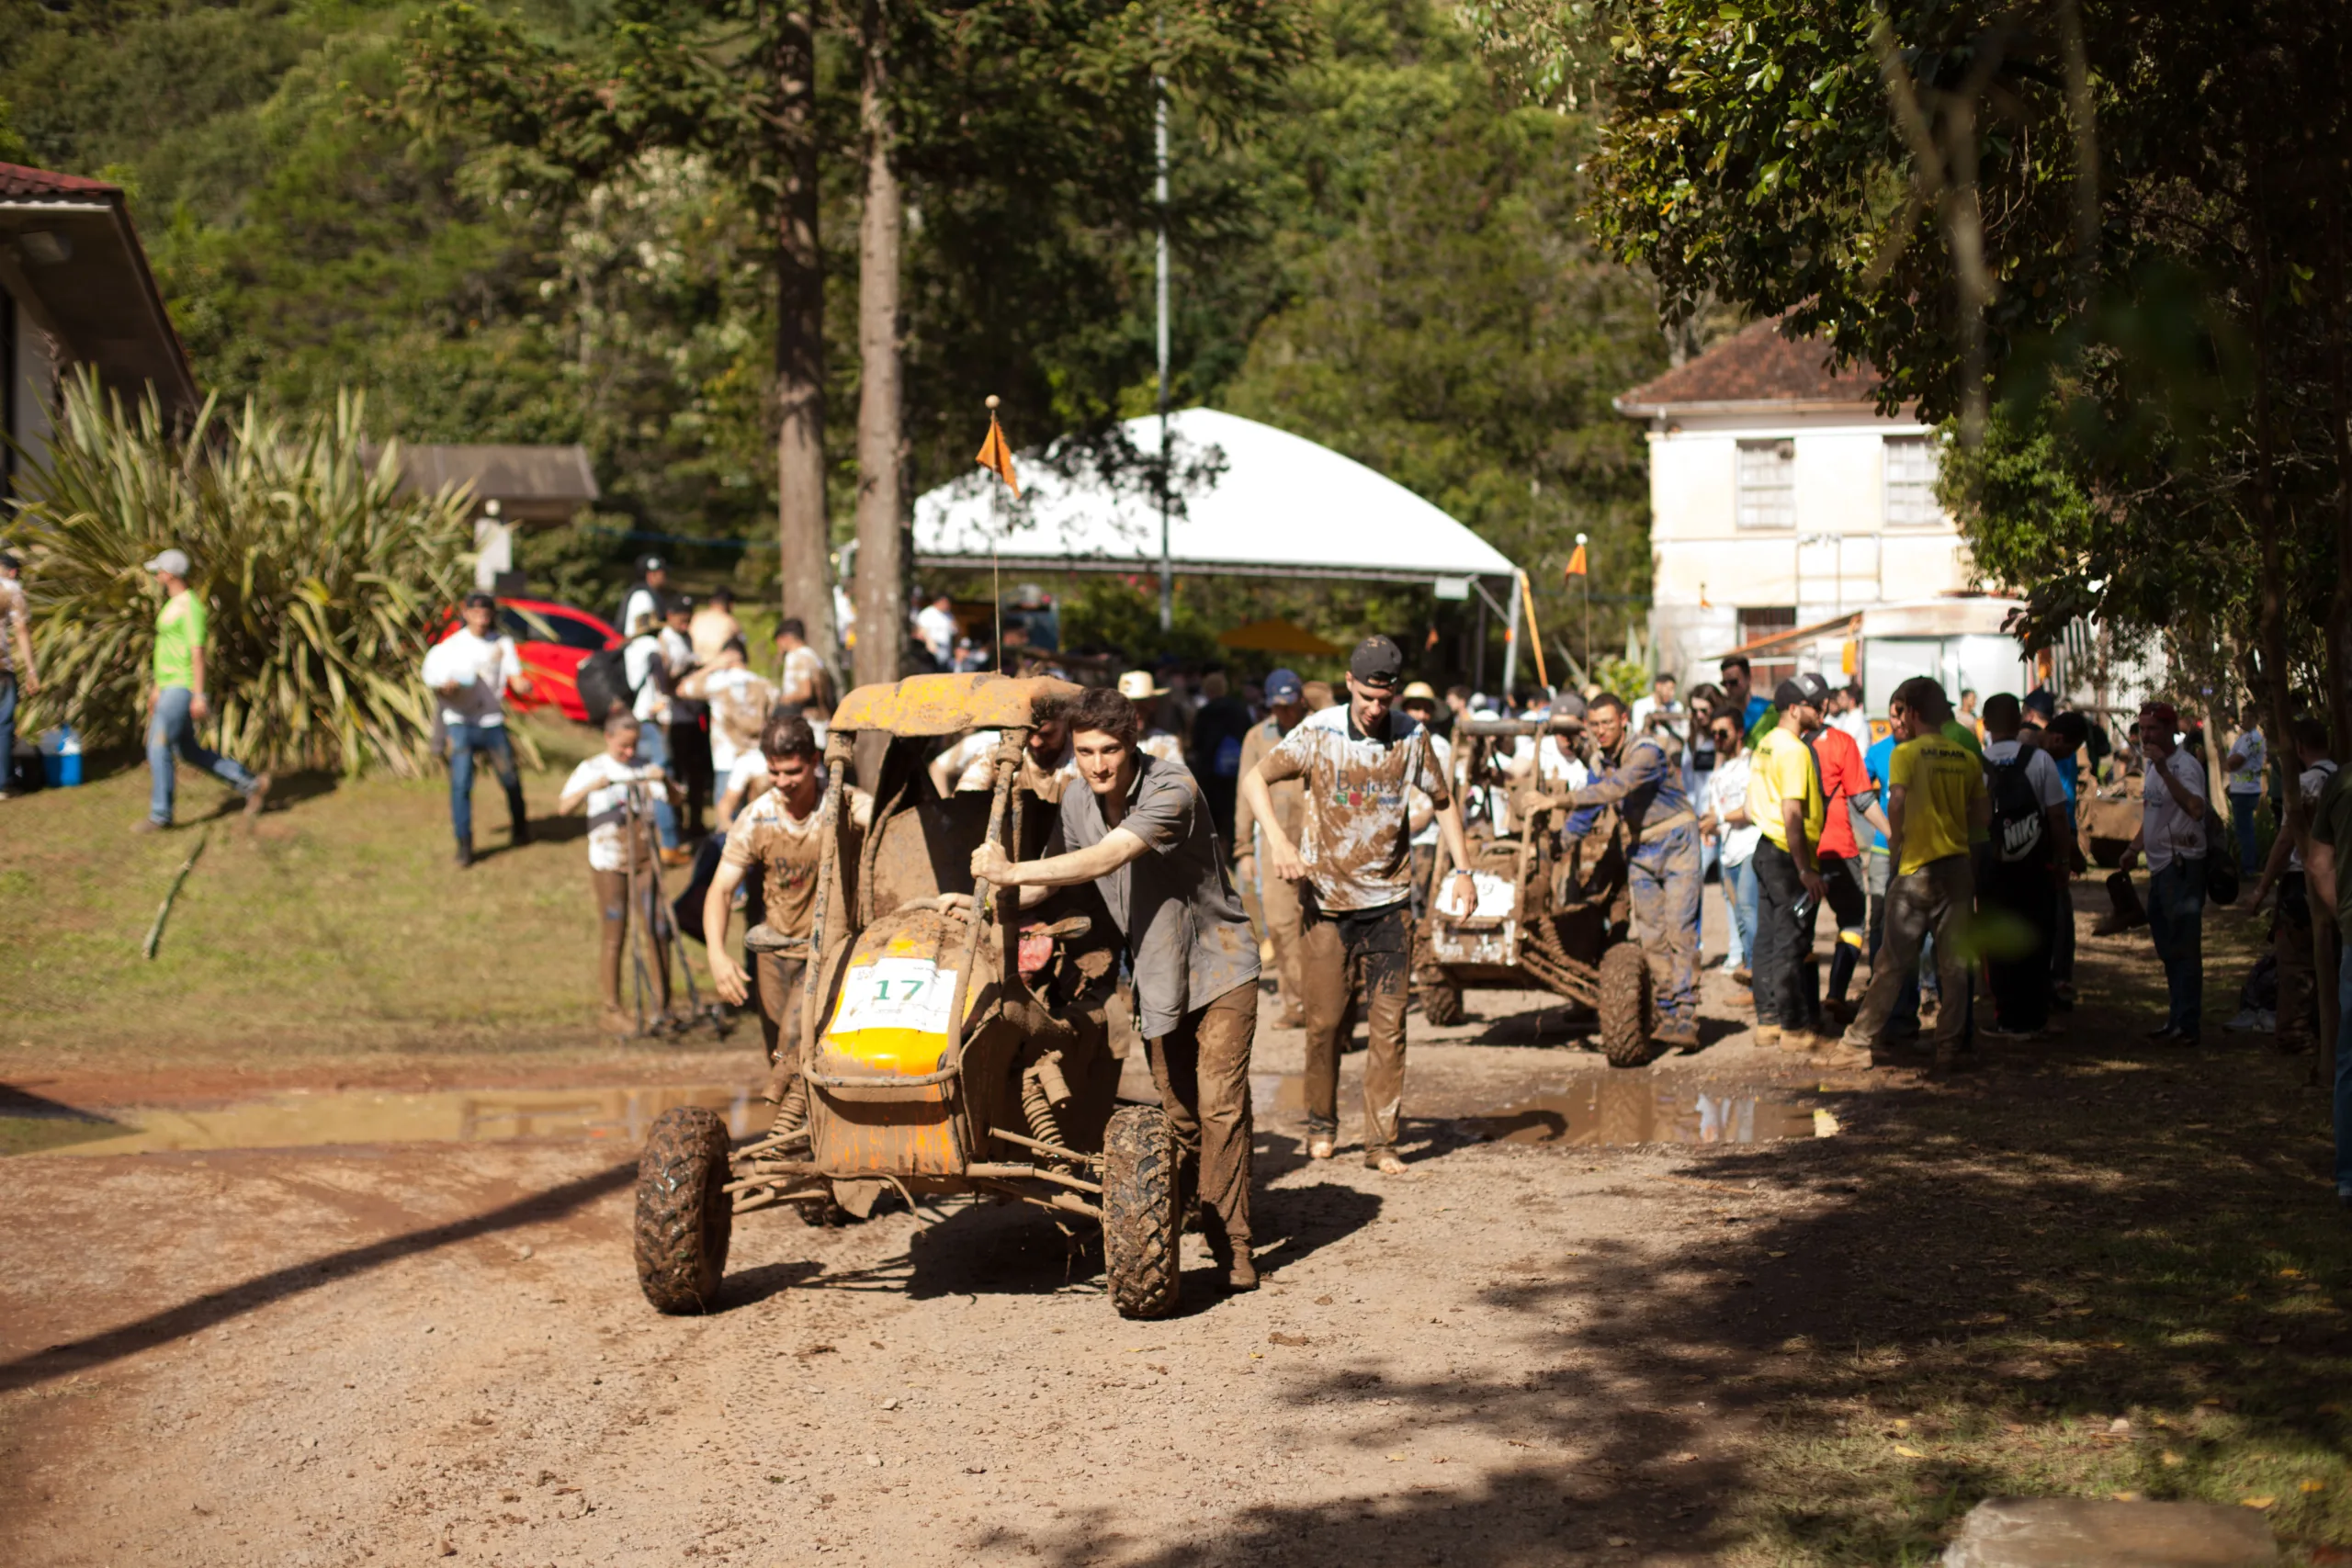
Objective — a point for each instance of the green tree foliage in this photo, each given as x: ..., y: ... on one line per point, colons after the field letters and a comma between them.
x: 2124, y: 222
x: 1454, y: 328
x: 323, y: 580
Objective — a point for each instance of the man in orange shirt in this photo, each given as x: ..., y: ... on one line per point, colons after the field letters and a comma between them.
x: 1846, y: 788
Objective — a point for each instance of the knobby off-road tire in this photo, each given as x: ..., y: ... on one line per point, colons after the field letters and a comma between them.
x: 684, y: 1214
x: 1625, y: 1014
x: 1441, y: 1003
x: 1139, y: 1220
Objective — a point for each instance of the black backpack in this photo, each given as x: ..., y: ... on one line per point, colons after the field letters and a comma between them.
x: 2021, y: 836
x: 604, y: 683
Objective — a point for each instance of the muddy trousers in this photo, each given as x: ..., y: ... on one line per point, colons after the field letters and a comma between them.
x: 1665, y: 884
x: 1280, y: 901
x: 776, y: 980
x: 1202, y: 1068
x: 1935, y: 900
x: 613, y: 908
x: 1369, y: 950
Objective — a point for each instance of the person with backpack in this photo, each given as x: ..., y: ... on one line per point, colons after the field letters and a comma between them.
x: 2174, y: 813
x: 2021, y: 860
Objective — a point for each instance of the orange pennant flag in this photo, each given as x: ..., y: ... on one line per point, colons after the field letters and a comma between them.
x: 996, y: 455
x: 1576, y: 561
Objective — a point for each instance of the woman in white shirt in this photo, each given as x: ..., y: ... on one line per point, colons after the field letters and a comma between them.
x: 646, y: 666
x: 1735, y: 836
x: 617, y: 837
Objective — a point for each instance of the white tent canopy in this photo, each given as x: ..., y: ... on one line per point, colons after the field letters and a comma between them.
x: 1251, y: 501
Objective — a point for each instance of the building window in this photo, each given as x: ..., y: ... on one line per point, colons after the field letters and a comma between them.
x: 1768, y: 484
x: 1775, y: 665
x: 1911, y: 482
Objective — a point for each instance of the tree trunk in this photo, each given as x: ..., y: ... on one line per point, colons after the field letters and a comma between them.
x: 803, y: 527
x: 882, y: 535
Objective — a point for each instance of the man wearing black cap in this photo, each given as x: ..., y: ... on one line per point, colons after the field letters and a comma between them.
x: 1277, y: 900
x: 470, y: 672
x: 1352, y: 861
x: 1633, y: 774
x: 1785, y: 799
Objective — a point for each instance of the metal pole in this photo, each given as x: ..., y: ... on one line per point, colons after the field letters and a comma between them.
x: 1510, y: 642
x: 1160, y: 194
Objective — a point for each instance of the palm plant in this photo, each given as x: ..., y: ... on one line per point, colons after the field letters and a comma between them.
x: 323, y: 579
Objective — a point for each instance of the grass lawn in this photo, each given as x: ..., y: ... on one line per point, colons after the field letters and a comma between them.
x: 337, y: 927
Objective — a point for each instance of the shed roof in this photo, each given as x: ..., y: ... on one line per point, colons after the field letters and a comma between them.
x: 1755, y: 367
x: 71, y: 258
x: 531, y: 484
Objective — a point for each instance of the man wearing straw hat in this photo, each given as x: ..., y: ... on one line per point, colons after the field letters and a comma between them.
x: 1140, y: 688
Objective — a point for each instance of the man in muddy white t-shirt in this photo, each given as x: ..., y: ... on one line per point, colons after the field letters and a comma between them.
x: 1360, y: 761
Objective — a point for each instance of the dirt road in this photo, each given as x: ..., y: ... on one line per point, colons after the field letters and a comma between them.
x: 410, y: 1352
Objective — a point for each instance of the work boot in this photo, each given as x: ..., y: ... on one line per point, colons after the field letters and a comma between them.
x: 257, y: 798
x: 1768, y: 1035
x: 1242, y: 1274
x: 1684, y: 1035
x: 465, y: 850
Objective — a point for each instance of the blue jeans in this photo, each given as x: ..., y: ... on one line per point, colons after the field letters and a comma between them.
x: 2242, y: 807
x: 465, y: 740
x: 1739, y: 905
x: 7, y: 730
x: 2177, y: 922
x: 654, y: 745
x: 170, y: 730
x: 2343, y: 1074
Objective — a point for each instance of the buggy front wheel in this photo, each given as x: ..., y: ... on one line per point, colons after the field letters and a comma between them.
x: 1625, y: 1005
x: 685, y: 1217
x: 1141, y: 1228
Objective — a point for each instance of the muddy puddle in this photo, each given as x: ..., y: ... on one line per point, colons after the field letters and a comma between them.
x: 1613, y: 1110
x: 302, y: 1119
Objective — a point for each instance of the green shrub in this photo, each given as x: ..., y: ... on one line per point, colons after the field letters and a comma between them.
x: 323, y: 583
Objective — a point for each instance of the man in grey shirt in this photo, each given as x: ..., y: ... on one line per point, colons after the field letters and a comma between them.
x: 1141, y: 832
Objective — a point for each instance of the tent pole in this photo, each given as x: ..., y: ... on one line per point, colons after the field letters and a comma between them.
x: 1510, y: 640
x: 1160, y: 194
x: 1479, y: 656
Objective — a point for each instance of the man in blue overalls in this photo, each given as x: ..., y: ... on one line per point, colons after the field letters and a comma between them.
x: 1633, y: 774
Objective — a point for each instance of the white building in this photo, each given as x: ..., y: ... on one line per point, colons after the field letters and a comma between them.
x: 1781, y: 498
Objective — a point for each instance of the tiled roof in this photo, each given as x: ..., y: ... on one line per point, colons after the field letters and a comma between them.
x: 1756, y: 364
x: 19, y: 183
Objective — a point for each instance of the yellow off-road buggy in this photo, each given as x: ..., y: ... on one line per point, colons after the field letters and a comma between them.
x: 943, y: 1049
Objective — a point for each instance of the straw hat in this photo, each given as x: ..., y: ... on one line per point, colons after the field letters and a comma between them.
x: 1419, y: 691
x: 1137, y: 687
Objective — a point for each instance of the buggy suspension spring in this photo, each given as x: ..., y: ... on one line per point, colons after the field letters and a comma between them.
x: 1042, y: 1088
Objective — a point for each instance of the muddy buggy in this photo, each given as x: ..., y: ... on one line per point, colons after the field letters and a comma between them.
x: 942, y: 1050
x: 1547, y: 919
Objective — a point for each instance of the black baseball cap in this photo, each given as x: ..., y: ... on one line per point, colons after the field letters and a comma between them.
x: 479, y: 599
x: 651, y: 563
x: 1807, y: 691
x: 1377, y: 662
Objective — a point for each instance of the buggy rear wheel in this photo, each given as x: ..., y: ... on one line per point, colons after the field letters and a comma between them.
x: 1139, y: 1221
x: 684, y: 1214
x: 1626, y: 1018
x: 1441, y: 1003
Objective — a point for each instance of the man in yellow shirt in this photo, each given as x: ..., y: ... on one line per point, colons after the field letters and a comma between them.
x: 1785, y: 799
x: 1936, y: 797
x: 176, y: 703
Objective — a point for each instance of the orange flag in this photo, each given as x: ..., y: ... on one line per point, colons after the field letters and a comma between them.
x: 1576, y: 561
x: 996, y: 455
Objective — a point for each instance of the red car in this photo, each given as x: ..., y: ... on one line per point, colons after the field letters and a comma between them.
x: 553, y: 641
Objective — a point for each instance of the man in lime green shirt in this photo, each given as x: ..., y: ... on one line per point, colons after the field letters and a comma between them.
x: 1936, y: 802
x: 1785, y: 800
x: 177, y: 704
